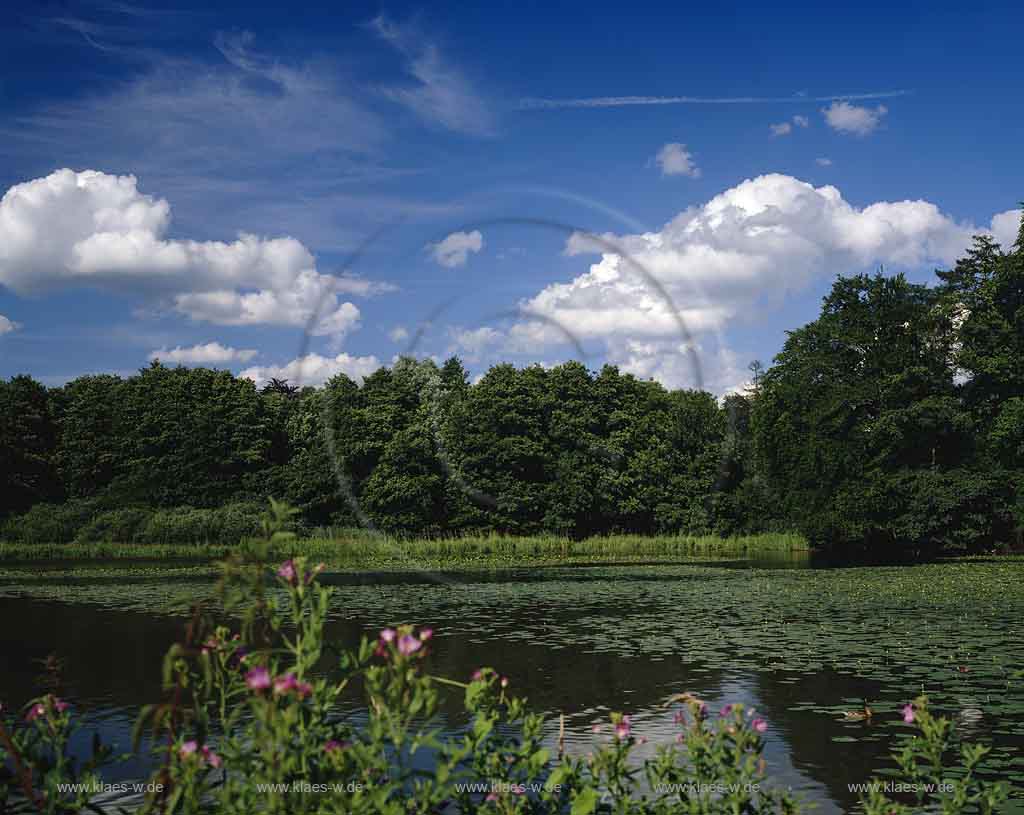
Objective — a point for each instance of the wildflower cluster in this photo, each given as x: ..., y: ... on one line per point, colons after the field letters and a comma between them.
x: 936, y: 787
x: 38, y: 771
x: 191, y: 750
x: 254, y: 722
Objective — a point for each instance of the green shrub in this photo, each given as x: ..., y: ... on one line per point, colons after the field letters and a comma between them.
x: 91, y: 522
x: 49, y: 523
x: 228, y: 525
x: 115, y: 526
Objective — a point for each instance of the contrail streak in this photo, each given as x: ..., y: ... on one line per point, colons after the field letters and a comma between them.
x: 533, y: 103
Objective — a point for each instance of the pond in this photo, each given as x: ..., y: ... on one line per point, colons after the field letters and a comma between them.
x: 802, y: 645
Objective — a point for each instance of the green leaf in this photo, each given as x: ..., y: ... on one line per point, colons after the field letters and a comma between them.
x: 585, y: 802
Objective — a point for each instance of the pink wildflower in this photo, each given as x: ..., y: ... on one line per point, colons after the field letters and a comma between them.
x: 908, y: 713
x: 211, y: 757
x: 258, y: 678
x: 408, y: 644
x: 622, y: 729
x: 725, y: 711
x: 188, y: 748
x: 426, y: 634
x: 289, y: 683
x: 759, y: 724
x: 287, y: 571
x: 388, y: 635
x: 35, y: 712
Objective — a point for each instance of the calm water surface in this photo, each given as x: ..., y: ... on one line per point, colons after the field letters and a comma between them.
x: 800, y: 644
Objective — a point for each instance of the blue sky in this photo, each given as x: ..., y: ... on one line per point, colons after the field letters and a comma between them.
x: 305, y: 190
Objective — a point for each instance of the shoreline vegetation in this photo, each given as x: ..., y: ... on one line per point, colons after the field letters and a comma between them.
x: 892, y: 426
x: 250, y: 724
x: 360, y: 549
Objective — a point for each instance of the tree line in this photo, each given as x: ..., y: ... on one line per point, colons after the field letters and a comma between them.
x: 893, y: 422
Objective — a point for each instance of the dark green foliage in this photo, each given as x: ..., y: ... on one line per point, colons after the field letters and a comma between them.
x: 564, y: 451
x: 28, y: 436
x: 50, y: 523
x: 115, y: 525
x: 861, y: 430
x: 185, y: 525
x: 90, y: 521
x: 893, y: 423
x: 89, y: 415
x: 190, y: 436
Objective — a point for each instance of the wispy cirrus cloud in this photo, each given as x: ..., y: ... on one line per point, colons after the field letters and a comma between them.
x: 121, y: 30
x: 246, y: 140
x: 536, y: 103
x: 440, y: 93
x: 7, y: 325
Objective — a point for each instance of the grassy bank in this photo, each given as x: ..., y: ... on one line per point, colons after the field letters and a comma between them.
x: 360, y: 550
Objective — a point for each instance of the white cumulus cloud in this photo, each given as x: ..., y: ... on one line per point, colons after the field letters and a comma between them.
x: 1005, y: 226
x: 846, y: 118
x: 210, y: 353
x: 313, y: 369
x: 785, y: 128
x: 823, y: 162
x: 471, y: 343
x: 94, y: 229
x: 674, y: 159
x: 727, y: 259
x: 7, y: 325
x: 454, y: 250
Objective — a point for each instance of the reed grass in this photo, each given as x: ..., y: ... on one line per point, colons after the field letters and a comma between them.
x: 359, y: 549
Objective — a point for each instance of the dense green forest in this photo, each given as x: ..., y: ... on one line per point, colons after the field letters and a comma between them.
x: 893, y: 422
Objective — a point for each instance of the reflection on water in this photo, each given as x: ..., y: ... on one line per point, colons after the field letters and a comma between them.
x: 799, y: 644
